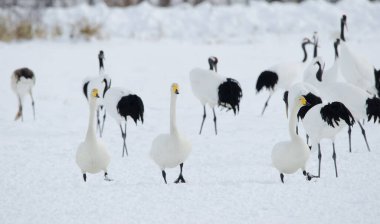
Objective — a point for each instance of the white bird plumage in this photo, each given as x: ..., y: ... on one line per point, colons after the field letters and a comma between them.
x: 215, y: 90
x: 281, y: 76
x: 92, y: 156
x: 171, y: 150
x: 102, y: 83
x: 22, y: 82
x: 356, y: 69
x: 290, y: 156
x: 121, y: 103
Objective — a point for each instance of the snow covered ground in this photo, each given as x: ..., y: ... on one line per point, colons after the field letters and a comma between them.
x: 230, y: 177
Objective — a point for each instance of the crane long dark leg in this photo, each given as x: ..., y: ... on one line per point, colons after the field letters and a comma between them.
x: 334, y: 158
x: 365, y: 137
x: 204, y: 117
x: 319, y: 159
x: 104, y: 120
x: 98, y: 120
x: 297, y: 129
x: 164, y: 176
x: 307, y: 139
x: 124, y: 136
x: 349, y: 137
x: 180, y: 177
x: 266, y: 104
x: 34, y: 110
x: 19, y: 112
x: 216, y: 131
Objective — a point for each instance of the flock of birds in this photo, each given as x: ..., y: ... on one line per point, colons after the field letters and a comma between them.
x: 321, y: 102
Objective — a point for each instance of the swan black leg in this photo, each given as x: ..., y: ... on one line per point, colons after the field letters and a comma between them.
x: 365, y: 137
x: 297, y: 129
x: 266, y: 104
x: 349, y: 137
x: 204, y: 117
x: 282, y: 177
x: 164, y: 176
x: 216, y: 131
x: 84, y: 177
x: 319, y: 160
x: 180, y: 177
x: 334, y: 158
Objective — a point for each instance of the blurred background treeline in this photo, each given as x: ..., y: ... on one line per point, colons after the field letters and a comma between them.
x: 125, y: 3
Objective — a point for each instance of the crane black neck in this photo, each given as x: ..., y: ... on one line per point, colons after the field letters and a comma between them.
x: 342, y: 24
x: 303, y: 45
x: 336, y: 43
x: 319, y: 72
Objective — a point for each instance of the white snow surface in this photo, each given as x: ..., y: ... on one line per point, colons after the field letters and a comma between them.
x: 205, y: 23
x: 229, y: 177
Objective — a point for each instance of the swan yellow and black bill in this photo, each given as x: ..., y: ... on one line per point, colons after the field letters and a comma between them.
x: 303, y: 101
x: 175, y: 88
x: 95, y: 93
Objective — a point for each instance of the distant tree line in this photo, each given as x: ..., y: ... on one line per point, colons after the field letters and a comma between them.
x: 123, y: 3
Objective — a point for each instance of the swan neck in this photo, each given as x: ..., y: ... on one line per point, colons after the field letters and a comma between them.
x: 173, y: 117
x: 293, y: 121
x: 91, y: 133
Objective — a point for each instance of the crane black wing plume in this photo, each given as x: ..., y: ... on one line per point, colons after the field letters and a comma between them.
x: 267, y: 79
x: 373, y: 109
x: 131, y: 105
x: 333, y: 112
x: 230, y: 93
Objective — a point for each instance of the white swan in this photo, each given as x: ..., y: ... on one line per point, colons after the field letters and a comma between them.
x: 103, y: 84
x: 92, y: 156
x: 171, y: 150
x: 22, y: 83
x: 289, y: 156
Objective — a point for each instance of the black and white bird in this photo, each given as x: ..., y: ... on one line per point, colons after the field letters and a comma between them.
x: 355, y: 68
x: 325, y: 121
x: 121, y: 103
x: 281, y: 76
x: 173, y: 149
x: 215, y: 90
x: 22, y: 82
x: 359, y: 102
x: 92, y: 155
x: 290, y: 156
x: 102, y: 83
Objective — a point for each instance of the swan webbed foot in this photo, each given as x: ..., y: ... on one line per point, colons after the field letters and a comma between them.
x: 106, y: 178
x: 84, y: 177
x: 309, y: 176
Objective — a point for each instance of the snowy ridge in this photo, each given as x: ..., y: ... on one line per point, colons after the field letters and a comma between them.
x: 210, y: 24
